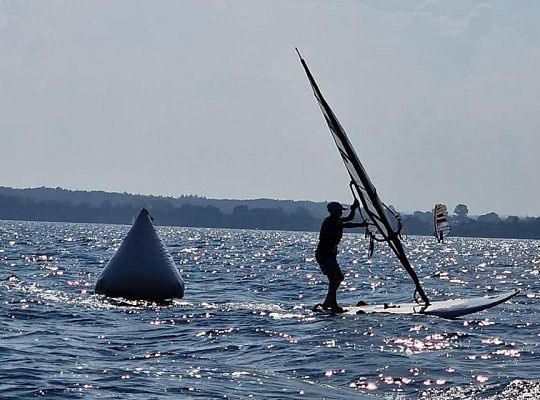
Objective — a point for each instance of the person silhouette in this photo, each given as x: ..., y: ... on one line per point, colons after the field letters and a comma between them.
x: 326, y: 252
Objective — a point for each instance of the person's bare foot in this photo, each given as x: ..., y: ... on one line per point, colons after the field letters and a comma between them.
x: 337, y: 309
x: 333, y: 309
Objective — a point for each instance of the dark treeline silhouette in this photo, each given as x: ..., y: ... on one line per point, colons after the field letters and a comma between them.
x: 96, y: 198
x: 164, y: 213
x: 55, y: 205
x: 488, y: 225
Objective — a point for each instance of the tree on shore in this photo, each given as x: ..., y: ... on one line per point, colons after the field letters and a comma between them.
x: 461, y: 212
x: 489, y: 218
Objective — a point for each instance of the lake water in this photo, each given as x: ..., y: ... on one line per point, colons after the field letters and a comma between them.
x: 245, y: 329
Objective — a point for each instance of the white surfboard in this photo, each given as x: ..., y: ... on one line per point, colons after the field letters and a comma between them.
x: 449, y: 309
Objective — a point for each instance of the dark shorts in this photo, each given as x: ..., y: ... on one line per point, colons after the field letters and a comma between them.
x: 327, y: 264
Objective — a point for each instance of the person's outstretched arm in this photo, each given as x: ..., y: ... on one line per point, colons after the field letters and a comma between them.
x: 350, y: 217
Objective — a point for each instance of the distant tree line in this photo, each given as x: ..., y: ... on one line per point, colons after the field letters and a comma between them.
x: 97, y: 198
x: 276, y: 216
x: 487, y: 225
x: 163, y: 212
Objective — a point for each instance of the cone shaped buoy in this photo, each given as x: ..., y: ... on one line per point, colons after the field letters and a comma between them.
x: 142, y: 268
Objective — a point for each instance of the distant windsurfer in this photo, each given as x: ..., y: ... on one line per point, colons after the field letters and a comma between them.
x: 326, y: 253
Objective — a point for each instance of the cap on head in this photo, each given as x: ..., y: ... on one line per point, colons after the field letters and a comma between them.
x: 335, y: 206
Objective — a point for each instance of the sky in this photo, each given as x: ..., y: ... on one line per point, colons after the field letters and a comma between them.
x: 441, y: 99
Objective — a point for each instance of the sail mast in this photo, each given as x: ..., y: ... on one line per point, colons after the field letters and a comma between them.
x: 361, y: 182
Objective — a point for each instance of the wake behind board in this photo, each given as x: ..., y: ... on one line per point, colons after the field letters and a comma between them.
x: 448, y: 309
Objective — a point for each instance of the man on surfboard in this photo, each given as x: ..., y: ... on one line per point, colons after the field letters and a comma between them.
x: 326, y: 253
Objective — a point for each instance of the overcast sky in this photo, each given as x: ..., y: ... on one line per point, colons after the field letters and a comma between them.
x: 441, y: 99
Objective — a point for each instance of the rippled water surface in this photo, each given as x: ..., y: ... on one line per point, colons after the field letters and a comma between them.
x: 245, y: 329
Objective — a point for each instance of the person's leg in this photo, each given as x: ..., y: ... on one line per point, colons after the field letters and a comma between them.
x: 326, y: 266
x: 335, y: 277
x: 331, y: 300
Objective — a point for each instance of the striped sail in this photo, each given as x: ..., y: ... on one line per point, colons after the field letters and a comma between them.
x: 440, y: 222
x: 377, y: 212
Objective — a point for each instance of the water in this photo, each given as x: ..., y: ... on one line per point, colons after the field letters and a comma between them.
x: 245, y: 330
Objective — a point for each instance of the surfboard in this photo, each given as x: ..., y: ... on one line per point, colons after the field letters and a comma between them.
x: 448, y: 309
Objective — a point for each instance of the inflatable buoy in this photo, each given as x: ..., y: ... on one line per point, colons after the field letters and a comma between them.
x: 142, y: 268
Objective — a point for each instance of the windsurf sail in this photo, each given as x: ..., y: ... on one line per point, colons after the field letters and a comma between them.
x: 379, y: 214
x: 440, y: 222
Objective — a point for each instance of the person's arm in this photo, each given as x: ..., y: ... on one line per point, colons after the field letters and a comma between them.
x: 350, y: 217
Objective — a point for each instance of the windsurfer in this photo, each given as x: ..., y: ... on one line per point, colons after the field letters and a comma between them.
x: 329, y: 238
